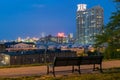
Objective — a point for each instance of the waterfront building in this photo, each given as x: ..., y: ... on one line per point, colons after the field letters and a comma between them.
x: 20, y: 46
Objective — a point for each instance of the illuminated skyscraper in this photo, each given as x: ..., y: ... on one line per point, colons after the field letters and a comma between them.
x: 89, y: 23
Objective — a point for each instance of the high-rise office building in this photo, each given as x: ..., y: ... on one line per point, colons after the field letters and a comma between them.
x: 89, y: 23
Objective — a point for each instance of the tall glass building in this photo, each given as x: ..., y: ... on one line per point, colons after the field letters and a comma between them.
x: 89, y: 23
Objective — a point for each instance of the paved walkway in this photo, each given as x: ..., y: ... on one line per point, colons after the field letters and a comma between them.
x: 41, y: 70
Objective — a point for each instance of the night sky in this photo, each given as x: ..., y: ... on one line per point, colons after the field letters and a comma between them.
x: 23, y: 18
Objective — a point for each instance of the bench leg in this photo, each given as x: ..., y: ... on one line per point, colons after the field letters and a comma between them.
x: 47, y: 69
x: 72, y: 69
x: 53, y: 71
x: 101, y: 68
x: 79, y: 69
x: 93, y: 67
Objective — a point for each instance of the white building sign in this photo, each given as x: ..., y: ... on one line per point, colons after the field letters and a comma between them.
x: 81, y: 7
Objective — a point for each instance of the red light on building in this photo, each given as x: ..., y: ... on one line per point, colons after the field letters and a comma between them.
x: 61, y: 34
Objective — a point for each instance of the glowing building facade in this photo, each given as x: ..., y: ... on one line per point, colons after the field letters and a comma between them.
x: 89, y: 23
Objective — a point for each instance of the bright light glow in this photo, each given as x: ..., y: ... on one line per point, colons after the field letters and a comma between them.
x: 61, y: 34
x: 118, y: 49
x: 6, y: 58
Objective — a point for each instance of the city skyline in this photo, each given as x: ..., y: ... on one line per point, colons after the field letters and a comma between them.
x: 22, y: 18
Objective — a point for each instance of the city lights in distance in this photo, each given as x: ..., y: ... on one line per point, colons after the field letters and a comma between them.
x: 61, y: 34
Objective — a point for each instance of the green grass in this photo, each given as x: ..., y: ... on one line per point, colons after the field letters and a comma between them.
x: 108, y: 74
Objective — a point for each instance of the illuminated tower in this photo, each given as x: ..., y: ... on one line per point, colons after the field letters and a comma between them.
x: 89, y: 23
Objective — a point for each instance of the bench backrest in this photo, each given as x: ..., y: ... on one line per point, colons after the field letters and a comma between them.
x: 69, y: 61
x: 66, y: 61
x: 91, y: 60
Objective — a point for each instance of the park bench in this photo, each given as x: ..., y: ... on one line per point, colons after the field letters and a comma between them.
x: 75, y: 61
